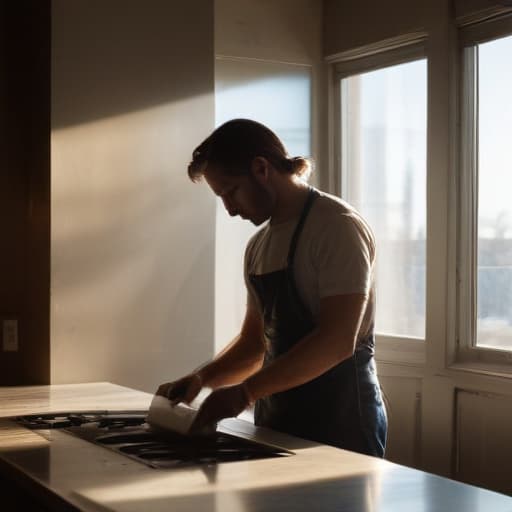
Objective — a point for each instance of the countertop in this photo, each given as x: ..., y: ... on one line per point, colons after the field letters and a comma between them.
x: 69, y: 473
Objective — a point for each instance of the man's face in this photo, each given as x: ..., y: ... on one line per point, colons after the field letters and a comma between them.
x: 242, y: 195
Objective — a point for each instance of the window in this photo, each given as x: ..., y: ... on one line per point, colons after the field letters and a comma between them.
x: 383, y: 136
x: 485, y: 248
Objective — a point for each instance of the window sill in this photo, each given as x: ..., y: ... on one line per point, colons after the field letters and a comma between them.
x: 403, y: 351
x: 483, y: 368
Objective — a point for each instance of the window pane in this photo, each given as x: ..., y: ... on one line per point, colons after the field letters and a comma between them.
x: 494, y: 302
x: 279, y: 96
x: 384, y: 121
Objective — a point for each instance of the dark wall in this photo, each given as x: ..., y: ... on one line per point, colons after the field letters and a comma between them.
x: 350, y: 24
x: 25, y: 187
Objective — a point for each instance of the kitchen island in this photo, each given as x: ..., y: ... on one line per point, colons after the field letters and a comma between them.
x: 63, y: 472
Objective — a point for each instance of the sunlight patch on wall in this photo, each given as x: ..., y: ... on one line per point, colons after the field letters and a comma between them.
x: 132, y: 245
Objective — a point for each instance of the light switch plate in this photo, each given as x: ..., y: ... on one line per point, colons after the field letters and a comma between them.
x: 10, y: 335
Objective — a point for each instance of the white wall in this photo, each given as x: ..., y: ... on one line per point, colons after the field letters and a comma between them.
x: 482, y: 449
x: 352, y: 24
x: 278, y: 30
x: 132, y: 287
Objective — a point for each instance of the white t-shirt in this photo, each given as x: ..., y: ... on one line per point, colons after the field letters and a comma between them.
x: 335, y: 255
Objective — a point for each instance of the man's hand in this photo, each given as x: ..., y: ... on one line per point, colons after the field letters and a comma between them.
x: 225, y: 402
x: 182, y: 390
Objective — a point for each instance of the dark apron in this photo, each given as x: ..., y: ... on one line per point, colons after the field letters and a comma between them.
x: 342, y: 407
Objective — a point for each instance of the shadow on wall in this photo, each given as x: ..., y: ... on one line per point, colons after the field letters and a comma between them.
x: 115, y: 57
x: 132, y: 238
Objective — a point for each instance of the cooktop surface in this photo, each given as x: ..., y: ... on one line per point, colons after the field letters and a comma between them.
x: 127, y: 433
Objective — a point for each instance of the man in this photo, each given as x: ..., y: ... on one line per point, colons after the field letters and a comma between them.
x: 305, y: 350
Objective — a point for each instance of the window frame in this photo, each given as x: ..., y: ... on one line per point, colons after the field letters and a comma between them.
x: 402, y: 350
x: 467, y: 355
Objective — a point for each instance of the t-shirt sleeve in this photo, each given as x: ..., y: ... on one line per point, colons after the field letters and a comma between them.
x: 343, y: 256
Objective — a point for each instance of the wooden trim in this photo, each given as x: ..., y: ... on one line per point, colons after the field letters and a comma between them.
x: 385, y: 46
x: 383, y: 58
x: 25, y: 57
x: 483, y: 15
x: 483, y: 30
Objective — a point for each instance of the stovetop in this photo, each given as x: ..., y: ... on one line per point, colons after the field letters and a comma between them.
x: 127, y: 433
x: 104, y: 419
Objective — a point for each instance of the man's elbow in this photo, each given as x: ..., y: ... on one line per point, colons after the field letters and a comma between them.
x: 256, y: 356
x: 342, y: 345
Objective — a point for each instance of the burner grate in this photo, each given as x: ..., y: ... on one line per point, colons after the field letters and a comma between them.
x: 71, y: 419
x: 127, y: 433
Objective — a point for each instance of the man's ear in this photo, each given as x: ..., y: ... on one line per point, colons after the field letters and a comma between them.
x: 260, y: 169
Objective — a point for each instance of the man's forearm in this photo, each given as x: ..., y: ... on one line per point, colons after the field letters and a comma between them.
x: 332, y: 341
x: 235, y: 363
x: 309, y: 358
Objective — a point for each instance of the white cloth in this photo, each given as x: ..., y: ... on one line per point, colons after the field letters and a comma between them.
x: 335, y: 255
x: 177, y: 418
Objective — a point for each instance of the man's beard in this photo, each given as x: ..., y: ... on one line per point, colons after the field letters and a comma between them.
x: 264, y: 201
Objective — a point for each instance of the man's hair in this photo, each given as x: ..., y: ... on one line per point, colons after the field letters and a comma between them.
x: 233, y: 146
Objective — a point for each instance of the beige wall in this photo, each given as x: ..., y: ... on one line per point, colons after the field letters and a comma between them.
x: 132, y: 238
x: 279, y: 30
x: 350, y: 24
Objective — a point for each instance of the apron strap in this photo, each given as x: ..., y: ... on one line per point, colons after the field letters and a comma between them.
x: 295, y: 238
